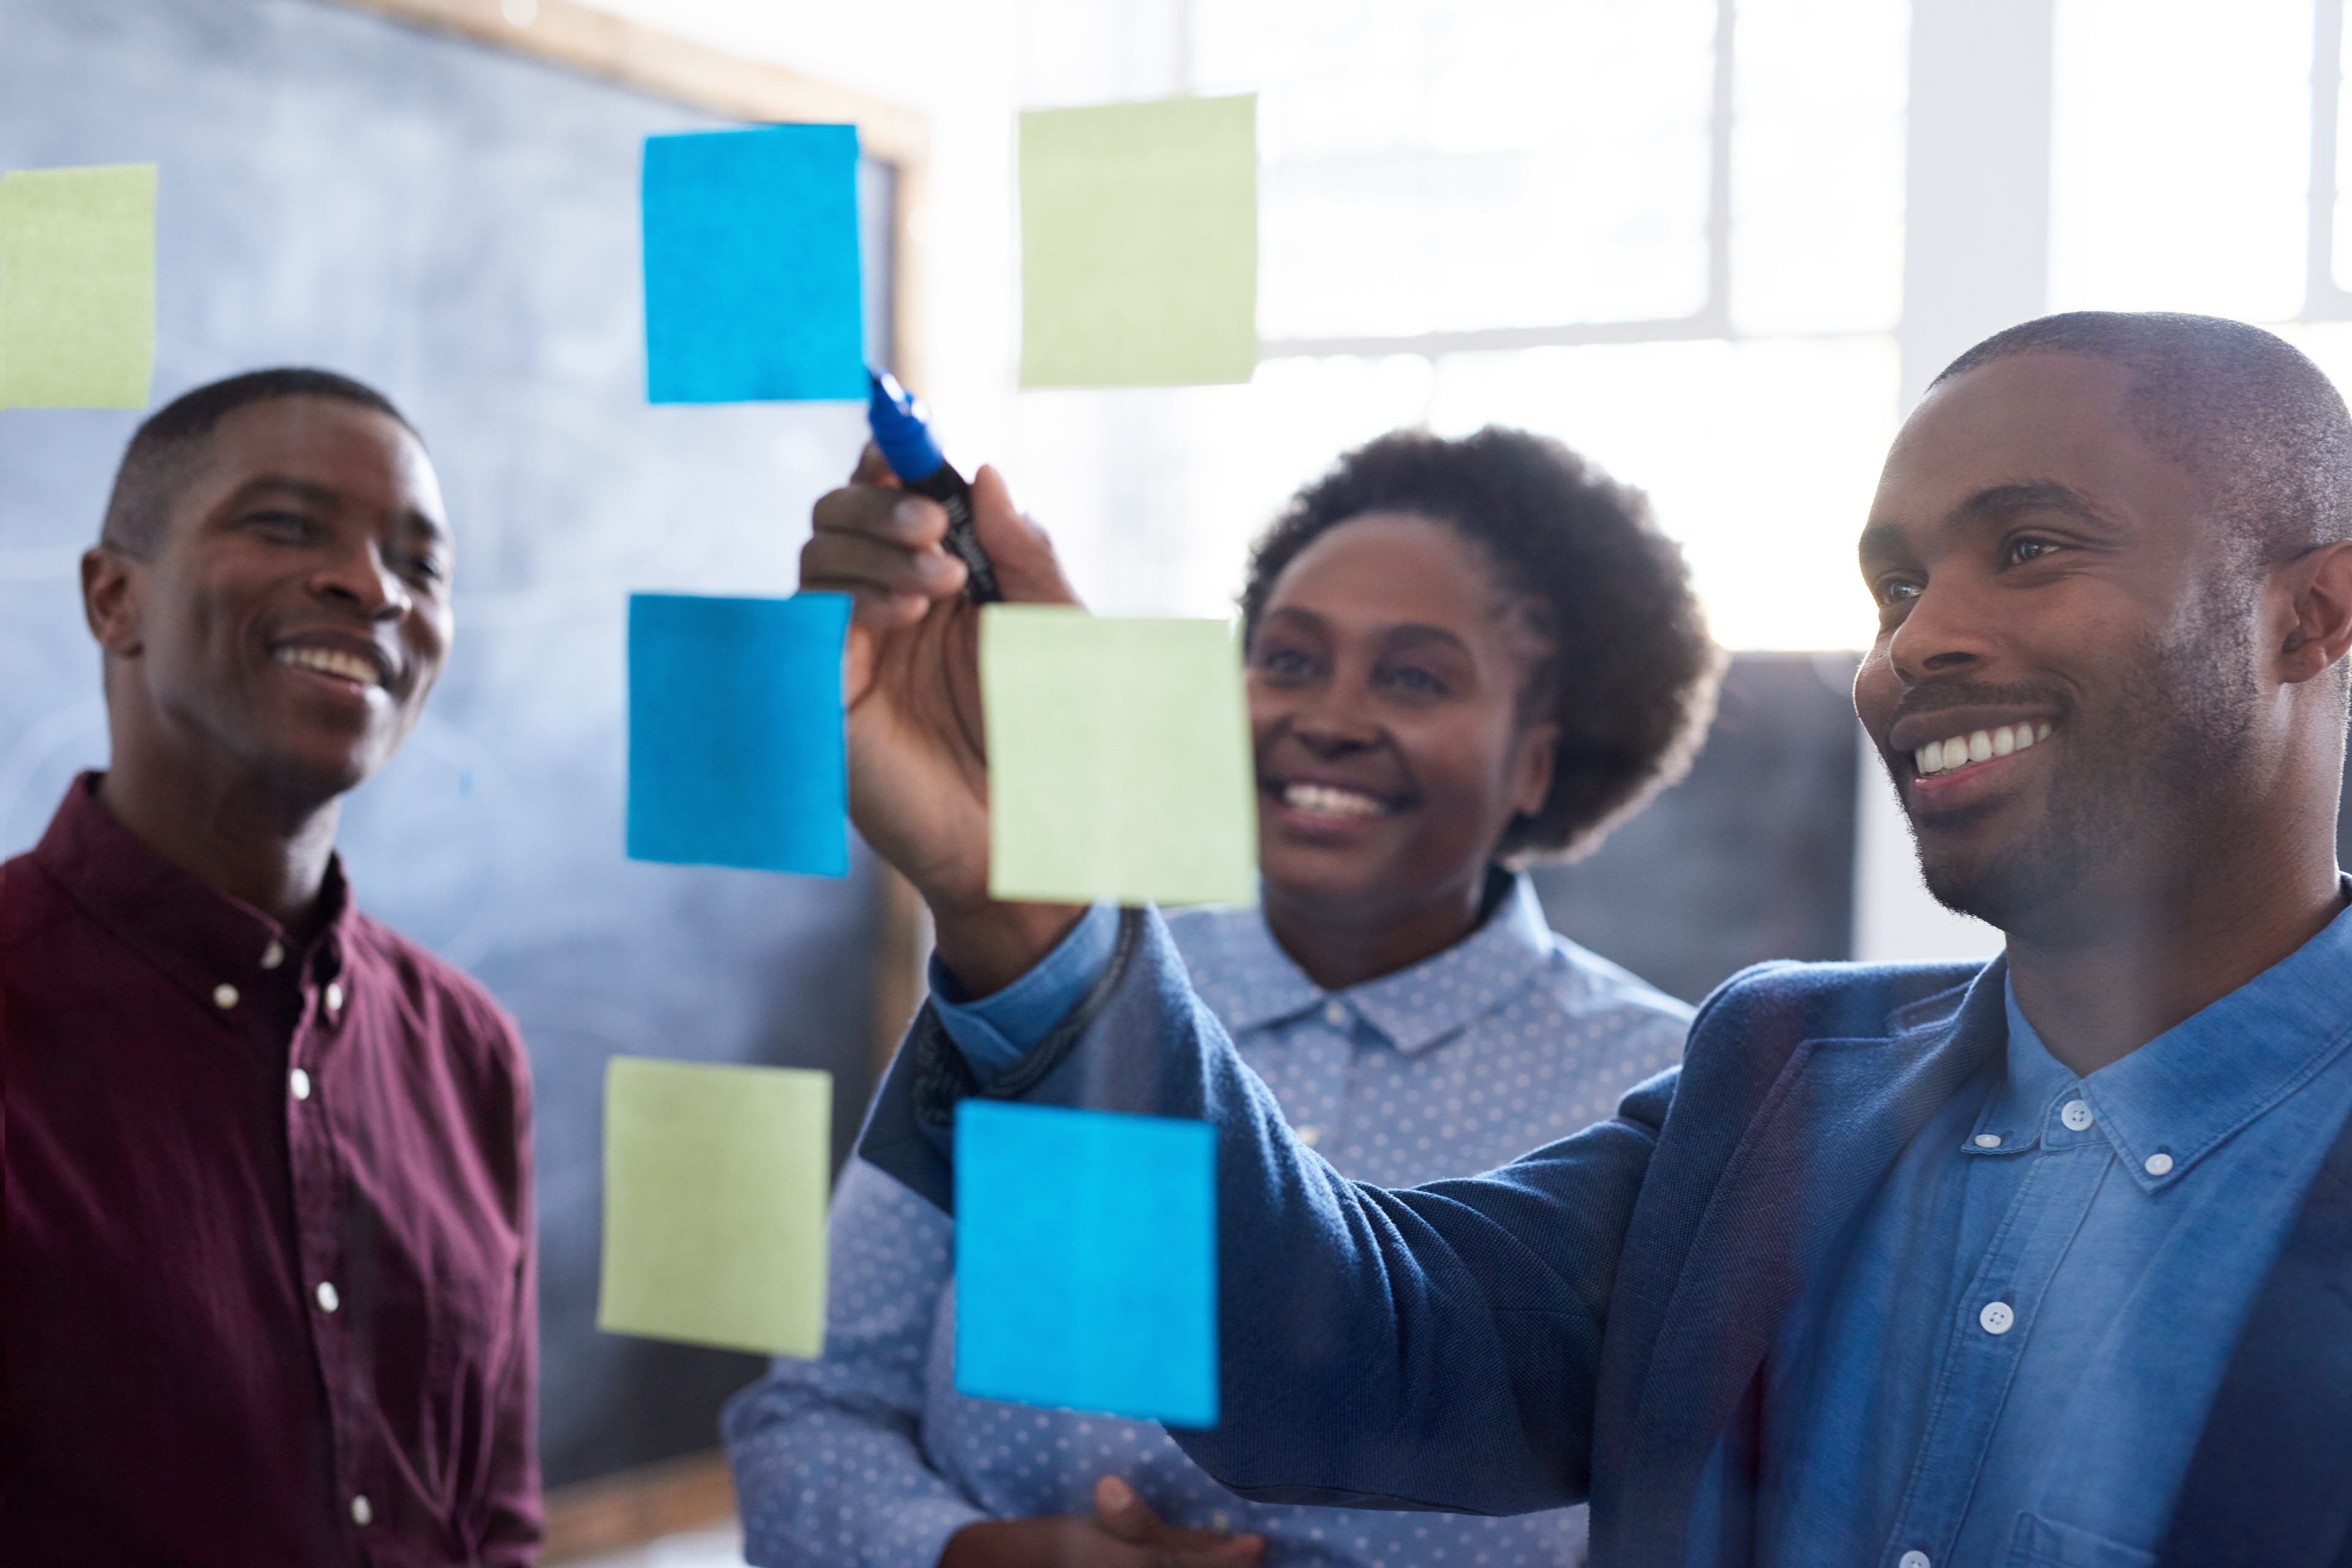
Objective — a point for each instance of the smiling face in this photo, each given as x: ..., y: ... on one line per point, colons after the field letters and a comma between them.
x: 1385, y: 681
x: 294, y: 614
x: 2067, y: 686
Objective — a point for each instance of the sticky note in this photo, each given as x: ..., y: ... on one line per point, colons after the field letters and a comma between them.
x: 1138, y: 244
x: 714, y: 1205
x: 736, y: 748
x: 77, y: 286
x: 751, y: 277
x: 1086, y: 1247
x: 1118, y: 762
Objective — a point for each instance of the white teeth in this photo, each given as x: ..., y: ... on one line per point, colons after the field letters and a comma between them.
x: 1327, y: 800
x: 1977, y: 746
x: 327, y: 661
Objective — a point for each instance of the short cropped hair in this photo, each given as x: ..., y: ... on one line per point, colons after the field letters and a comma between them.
x: 2242, y: 409
x: 167, y: 450
x: 1629, y: 672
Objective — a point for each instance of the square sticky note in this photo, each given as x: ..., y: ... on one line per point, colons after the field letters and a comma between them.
x: 736, y: 748
x: 1118, y: 762
x: 1086, y: 1247
x: 1138, y: 244
x: 714, y: 1205
x: 751, y: 277
x: 77, y: 286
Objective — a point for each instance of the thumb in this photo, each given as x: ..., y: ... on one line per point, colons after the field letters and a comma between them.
x: 1125, y: 1515
x: 1019, y: 550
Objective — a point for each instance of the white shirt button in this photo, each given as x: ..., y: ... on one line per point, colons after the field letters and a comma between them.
x: 1335, y: 1014
x: 223, y: 997
x: 1998, y: 1318
x: 2076, y: 1115
x: 362, y: 1510
x: 335, y: 997
x: 1912, y: 1559
x: 1308, y: 1133
x: 1988, y: 1139
x: 300, y: 1082
x: 273, y: 955
x: 328, y: 1300
x: 2158, y: 1163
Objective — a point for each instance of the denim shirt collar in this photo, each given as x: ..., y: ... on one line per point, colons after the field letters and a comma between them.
x: 1253, y: 983
x: 2185, y: 1092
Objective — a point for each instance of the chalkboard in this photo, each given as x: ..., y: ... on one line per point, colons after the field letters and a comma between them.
x: 457, y: 224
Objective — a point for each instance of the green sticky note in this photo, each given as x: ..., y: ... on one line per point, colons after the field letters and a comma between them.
x: 77, y: 286
x: 1138, y: 244
x: 714, y: 1205
x: 1118, y: 759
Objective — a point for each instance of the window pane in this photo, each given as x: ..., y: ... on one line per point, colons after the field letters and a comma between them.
x: 1817, y: 164
x: 2181, y: 156
x: 1436, y: 164
x: 1759, y: 457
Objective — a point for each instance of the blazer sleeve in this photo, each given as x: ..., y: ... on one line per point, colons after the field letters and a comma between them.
x: 1434, y: 1348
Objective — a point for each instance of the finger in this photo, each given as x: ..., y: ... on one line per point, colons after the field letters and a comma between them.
x: 873, y: 469
x: 877, y: 513
x: 1123, y: 1515
x: 1018, y: 549
x: 849, y: 563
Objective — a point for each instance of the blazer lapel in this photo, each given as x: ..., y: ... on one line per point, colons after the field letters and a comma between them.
x: 2271, y: 1483
x: 1817, y: 1148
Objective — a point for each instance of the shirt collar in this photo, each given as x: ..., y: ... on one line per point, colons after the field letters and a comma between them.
x: 1254, y: 983
x: 197, y: 936
x: 2185, y: 1092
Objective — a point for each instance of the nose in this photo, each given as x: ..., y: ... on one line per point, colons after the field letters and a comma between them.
x: 1332, y: 724
x: 1941, y: 634
x: 360, y: 576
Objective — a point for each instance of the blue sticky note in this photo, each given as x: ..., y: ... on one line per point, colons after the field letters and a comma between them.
x: 737, y: 755
x: 752, y: 275
x: 1086, y: 1247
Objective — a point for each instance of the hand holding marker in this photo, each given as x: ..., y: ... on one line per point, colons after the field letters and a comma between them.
x: 905, y: 438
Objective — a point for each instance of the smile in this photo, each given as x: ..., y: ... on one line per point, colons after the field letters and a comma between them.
x: 1977, y: 746
x: 332, y: 662
x: 1330, y: 800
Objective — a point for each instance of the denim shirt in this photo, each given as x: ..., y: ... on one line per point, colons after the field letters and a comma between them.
x: 1513, y: 1037
x: 2015, y: 1359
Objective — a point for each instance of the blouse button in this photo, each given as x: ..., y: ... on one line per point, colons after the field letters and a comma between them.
x: 223, y: 997
x: 1998, y: 1317
x: 1308, y: 1133
x: 362, y: 1510
x: 273, y: 955
x: 328, y: 1300
x: 335, y: 997
x: 2076, y: 1115
x: 2159, y: 1164
x: 300, y: 1082
x: 1335, y: 1014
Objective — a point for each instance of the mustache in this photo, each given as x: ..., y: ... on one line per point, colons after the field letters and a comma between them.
x: 1942, y: 697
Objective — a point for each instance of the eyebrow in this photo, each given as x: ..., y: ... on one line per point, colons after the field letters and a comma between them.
x: 1885, y: 536
x: 326, y: 498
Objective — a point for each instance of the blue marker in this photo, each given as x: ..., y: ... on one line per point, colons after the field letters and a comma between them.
x: 900, y: 430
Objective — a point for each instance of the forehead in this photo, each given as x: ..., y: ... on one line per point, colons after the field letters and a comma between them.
x: 369, y: 461
x: 1386, y: 567
x: 2033, y: 418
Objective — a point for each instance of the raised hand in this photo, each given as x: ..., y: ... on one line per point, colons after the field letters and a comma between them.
x: 911, y: 679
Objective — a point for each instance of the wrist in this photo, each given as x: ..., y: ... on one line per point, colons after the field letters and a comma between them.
x: 988, y: 944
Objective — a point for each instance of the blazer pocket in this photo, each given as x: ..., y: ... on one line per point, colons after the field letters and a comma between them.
x: 2042, y: 1543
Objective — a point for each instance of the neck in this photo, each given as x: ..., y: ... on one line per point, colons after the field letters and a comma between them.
x: 1338, y: 953
x: 2098, y: 993
x: 236, y: 833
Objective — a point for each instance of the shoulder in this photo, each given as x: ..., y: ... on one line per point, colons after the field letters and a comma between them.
x: 31, y: 902
x: 1201, y: 930
x: 1787, y: 1003
x: 453, y: 1009
x: 1585, y: 982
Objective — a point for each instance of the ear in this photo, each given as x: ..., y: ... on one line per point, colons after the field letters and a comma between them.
x: 111, y: 598
x: 1538, y: 751
x: 2319, y: 589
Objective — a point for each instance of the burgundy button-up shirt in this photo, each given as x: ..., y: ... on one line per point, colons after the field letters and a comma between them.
x: 267, y: 1288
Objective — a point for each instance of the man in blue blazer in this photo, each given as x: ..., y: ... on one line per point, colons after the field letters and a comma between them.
x: 2043, y: 1262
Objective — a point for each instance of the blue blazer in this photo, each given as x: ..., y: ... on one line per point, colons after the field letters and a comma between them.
x: 1590, y: 1319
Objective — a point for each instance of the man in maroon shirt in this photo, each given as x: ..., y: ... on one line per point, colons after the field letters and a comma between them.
x: 267, y: 1288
